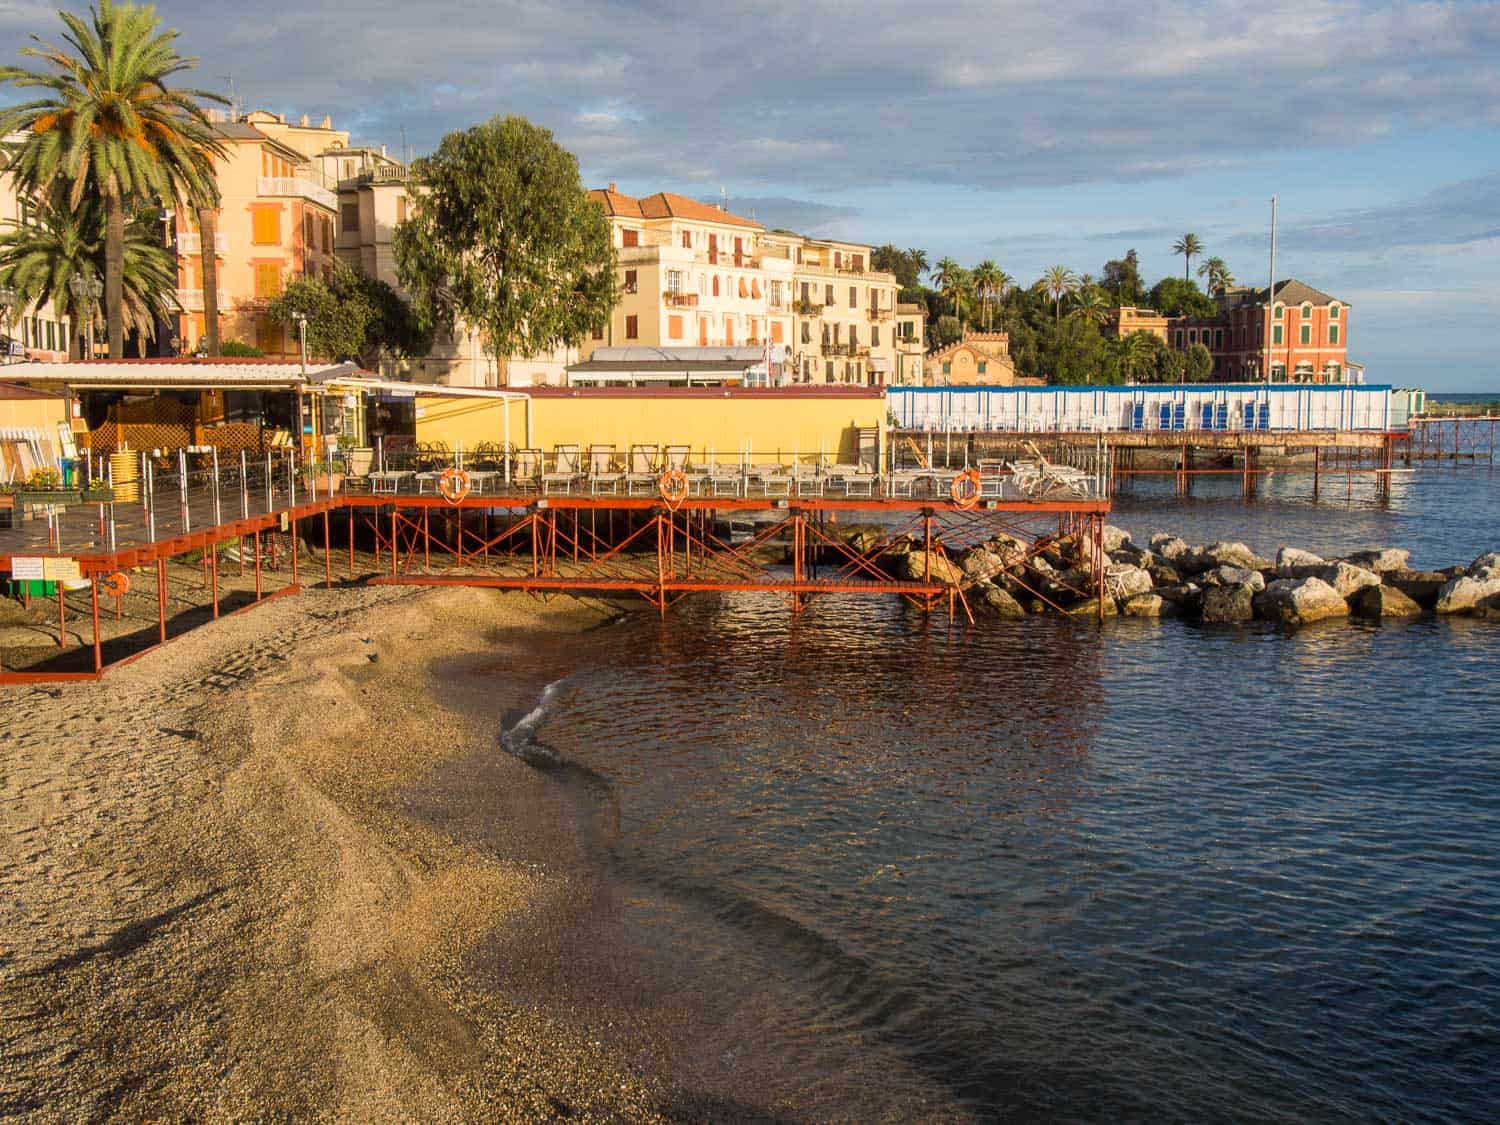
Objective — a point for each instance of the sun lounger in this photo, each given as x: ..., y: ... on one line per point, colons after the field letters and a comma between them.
x: 603, y: 476
x: 565, y: 471
x: 643, y: 472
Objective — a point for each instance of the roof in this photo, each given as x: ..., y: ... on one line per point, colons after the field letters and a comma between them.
x: 807, y: 391
x: 239, y: 131
x: 1294, y: 292
x: 667, y: 205
x: 13, y: 391
x: 992, y: 345
x: 178, y: 374
x: 645, y: 353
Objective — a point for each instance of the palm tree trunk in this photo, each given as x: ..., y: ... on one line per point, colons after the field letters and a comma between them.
x: 114, y: 274
x: 207, y: 234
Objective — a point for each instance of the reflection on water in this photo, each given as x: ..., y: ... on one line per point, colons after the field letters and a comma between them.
x: 1155, y: 871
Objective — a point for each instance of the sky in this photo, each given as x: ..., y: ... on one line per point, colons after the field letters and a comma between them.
x: 1031, y: 134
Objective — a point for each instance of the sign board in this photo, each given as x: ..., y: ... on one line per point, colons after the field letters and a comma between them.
x: 61, y: 570
x: 23, y: 567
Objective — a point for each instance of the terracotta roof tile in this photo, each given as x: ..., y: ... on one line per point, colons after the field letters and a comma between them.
x: 615, y: 203
x: 664, y: 205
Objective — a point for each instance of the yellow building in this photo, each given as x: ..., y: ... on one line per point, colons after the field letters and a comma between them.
x: 1128, y: 319
x: 27, y: 330
x: 911, y: 344
x: 980, y: 358
x: 846, y: 331
x: 275, y: 223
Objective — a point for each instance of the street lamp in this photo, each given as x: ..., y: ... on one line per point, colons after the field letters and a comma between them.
x: 7, y: 302
x: 301, y: 320
x: 86, y: 292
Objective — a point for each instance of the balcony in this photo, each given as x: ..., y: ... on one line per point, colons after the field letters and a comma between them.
x: 192, y: 299
x: 680, y: 300
x: 298, y: 188
x: 881, y: 314
x: 191, y: 242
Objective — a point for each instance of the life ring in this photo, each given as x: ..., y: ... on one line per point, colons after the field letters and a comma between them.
x: 116, y: 585
x: 965, y: 488
x: 674, y: 487
x: 453, y: 485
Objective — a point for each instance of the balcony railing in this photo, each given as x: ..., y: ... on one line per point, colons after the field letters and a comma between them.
x: 881, y: 314
x: 192, y: 299
x: 680, y: 300
x: 191, y: 242
x: 298, y: 187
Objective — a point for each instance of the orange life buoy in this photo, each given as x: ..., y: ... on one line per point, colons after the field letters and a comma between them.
x: 116, y: 585
x: 453, y: 485
x: 965, y: 488
x: 674, y: 487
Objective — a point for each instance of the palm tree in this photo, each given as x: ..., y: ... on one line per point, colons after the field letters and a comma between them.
x: 989, y: 285
x: 1137, y: 356
x: 1189, y: 247
x: 918, y: 258
x: 109, y: 128
x: 1092, y: 305
x: 1058, y: 282
x: 1217, y: 273
x: 40, y: 260
x: 953, y: 282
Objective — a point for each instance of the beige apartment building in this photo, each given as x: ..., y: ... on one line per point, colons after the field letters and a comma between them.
x: 911, y: 344
x: 694, y: 274
x: 37, y: 331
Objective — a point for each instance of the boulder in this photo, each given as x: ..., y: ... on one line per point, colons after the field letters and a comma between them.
x: 998, y: 603
x: 1186, y: 596
x: 1124, y: 581
x: 1115, y: 538
x: 863, y: 542
x: 920, y: 566
x: 1485, y: 566
x: 1291, y: 558
x: 978, y: 562
x: 1233, y: 576
x: 1465, y: 595
x: 1008, y: 548
x: 1224, y: 605
x: 1421, y: 586
x: 1164, y: 574
x: 1090, y: 608
x: 1347, y: 579
x: 1228, y: 554
x: 1132, y: 556
x: 1381, y: 561
x: 1170, y: 547
x: 1300, y: 601
x: 1382, y: 601
x: 1148, y: 605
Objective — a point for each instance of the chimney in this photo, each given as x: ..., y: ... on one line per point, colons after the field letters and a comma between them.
x: 611, y: 185
x: 382, y: 150
x: 281, y: 117
x: 302, y: 121
x: 327, y: 123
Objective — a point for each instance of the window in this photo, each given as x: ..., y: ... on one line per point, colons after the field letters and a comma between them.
x: 630, y: 284
x: 687, y: 240
x: 983, y: 367
x: 1280, y: 309
x: 777, y: 334
x: 1333, y: 333
x: 630, y: 237
x: 632, y: 327
x: 947, y: 367
x: 267, y: 280
x: 674, y: 327
x: 52, y: 335
x: 859, y: 263
x: 598, y: 333
x: 874, y: 335
x: 807, y: 331
x: 266, y: 226
x: 1218, y: 337
x: 776, y: 294
x: 1276, y: 335
x: 1179, y: 337
x: 828, y: 372
x: 853, y: 297
x: 716, y: 285
x: 838, y: 260
x: 728, y: 330
x: 1192, y: 335
x: 674, y: 281
x: 1306, y: 333
x: 1333, y: 312
x: 309, y: 236
x: 828, y: 295
x: 1307, y: 311
x: 349, y: 218
x: 854, y: 335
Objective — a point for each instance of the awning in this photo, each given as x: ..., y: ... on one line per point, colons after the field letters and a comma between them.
x: 173, y: 374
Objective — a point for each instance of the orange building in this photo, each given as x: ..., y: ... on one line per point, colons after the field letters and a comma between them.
x: 1309, y: 335
x: 1127, y: 320
x: 979, y: 359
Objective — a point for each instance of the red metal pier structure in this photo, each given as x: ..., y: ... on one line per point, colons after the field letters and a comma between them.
x: 663, y: 542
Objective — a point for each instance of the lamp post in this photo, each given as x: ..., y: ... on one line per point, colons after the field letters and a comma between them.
x: 7, y: 302
x: 300, y: 318
x: 86, y: 292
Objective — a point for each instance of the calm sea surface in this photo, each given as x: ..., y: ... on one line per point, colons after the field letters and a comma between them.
x: 1159, y: 872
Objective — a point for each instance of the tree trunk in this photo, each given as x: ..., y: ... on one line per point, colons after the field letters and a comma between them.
x: 207, y: 234
x: 114, y: 274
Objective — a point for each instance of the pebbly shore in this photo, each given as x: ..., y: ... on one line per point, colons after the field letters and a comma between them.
x: 1214, y: 583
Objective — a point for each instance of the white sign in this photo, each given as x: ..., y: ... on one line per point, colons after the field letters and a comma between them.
x: 23, y: 567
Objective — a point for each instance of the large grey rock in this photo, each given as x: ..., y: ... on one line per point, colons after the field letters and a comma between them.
x: 1226, y: 605
x: 998, y: 603
x: 920, y: 566
x: 1164, y: 574
x: 1170, y: 547
x: 1149, y: 604
x: 1133, y: 556
x: 1090, y: 608
x: 1485, y: 566
x: 1465, y: 594
x: 1347, y: 579
x: 1115, y: 538
x: 1382, y: 601
x: 1225, y: 553
x: 1233, y: 576
x: 980, y: 563
x: 1126, y: 581
x: 1381, y: 561
x: 1186, y: 596
x: 1292, y: 558
x: 1421, y: 586
x: 1300, y: 601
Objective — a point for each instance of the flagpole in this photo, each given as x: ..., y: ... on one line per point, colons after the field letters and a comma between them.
x: 1271, y: 297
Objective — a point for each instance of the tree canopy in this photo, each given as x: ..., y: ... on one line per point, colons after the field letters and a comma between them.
x: 1174, y: 296
x: 503, y: 236
x: 351, y: 316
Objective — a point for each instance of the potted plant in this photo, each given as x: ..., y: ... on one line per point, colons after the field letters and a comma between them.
x: 323, y: 477
x: 98, y: 491
x: 44, y: 486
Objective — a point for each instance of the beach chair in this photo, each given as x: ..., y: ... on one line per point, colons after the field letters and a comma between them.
x: 1138, y: 416
x: 725, y: 480
x: 603, y: 476
x: 1221, y: 416
x: 643, y: 471
x: 527, y: 466
x: 1164, y: 416
x: 807, y: 480
x: 566, y: 471
x: 677, y: 458
x: 1207, y: 416
x: 1263, y: 421
x: 1179, y: 416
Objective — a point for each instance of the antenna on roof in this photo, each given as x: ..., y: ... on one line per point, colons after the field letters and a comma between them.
x: 405, y: 148
x: 723, y: 199
x: 234, y: 101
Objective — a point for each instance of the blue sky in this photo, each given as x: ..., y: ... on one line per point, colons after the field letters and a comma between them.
x: 1031, y: 134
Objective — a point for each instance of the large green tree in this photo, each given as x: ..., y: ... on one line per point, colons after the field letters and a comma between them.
x: 503, y: 236
x: 1057, y: 283
x: 351, y: 317
x: 41, y: 258
x: 953, y: 283
x: 108, y: 125
x: 990, y: 284
x: 1189, y: 247
x: 1216, y: 273
x: 1198, y: 364
x: 1121, y: 279
x: 1171, y: 296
